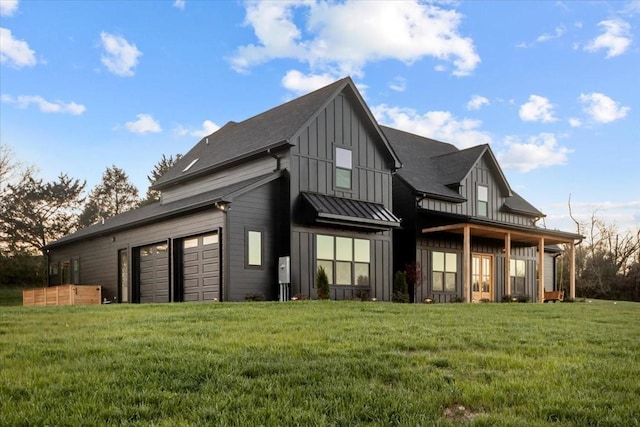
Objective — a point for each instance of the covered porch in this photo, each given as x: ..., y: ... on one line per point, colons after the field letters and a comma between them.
x: 510, y: 235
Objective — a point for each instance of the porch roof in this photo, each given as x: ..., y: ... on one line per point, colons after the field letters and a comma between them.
x: 349, y: 212
x: 522, y: 234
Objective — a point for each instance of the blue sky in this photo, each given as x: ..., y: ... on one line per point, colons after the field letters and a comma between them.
x: 553, y: 87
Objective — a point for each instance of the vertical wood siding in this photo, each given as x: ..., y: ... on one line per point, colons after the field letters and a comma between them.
x: 303, y: 264
x: 312, y: 157
x: 312, y: 168
x: 480, y: 174
x: 425, y: 246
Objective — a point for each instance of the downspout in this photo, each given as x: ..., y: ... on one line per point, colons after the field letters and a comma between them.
x: 275, y: 156
x: 224, y: 208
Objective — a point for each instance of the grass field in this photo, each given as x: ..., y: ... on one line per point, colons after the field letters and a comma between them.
x: 321, y: 363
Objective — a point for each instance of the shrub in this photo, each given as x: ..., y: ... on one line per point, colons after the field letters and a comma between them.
x: 524, y: 298
x: 362, y: 294
x: 299, y: 297
x: 254, y: 296
x: 456, y: 299
x: 400, y: 288
x: 322, y: 283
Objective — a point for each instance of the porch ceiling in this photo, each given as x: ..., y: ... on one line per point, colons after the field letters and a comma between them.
x: 530, y: 237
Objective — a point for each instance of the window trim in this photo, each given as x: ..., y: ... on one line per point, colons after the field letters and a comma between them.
x: 343, y: 168
x: 513, y: 276
x: 247, y: 251
x: 445, y: 272
x: 356, y: 260
x: 480, y: 202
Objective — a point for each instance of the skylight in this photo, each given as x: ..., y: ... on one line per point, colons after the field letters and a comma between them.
x: 190, y: 164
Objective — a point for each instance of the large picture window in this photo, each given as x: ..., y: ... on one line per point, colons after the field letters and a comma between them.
x: 517, y: 267
x: 343, y: 168
x: 444, y: 271
x: 345, y: 260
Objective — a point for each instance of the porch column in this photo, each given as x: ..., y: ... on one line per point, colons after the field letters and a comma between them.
x: 572, y: 270
x: 541, y: 270
x: 507, y: 264
x: 466, y: 265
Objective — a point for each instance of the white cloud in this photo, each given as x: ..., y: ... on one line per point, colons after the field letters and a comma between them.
x: 300, y: 83
x: 23, y: 101
x: 538, y: 109
x: 343, y: 37
x: 179, y: 4
x: 144, y: 124
x: 399, y: 84
x: 15, y: 52
x: 574, y: 122
x: 601, y: 108
x: 616, y: 38
x: 208, y: 127
x: 440, y: 125
x: 558, y: 32
x: 535, y: 152
x: 120, y: 57
x: 476, y: 102
x: 8, y: 7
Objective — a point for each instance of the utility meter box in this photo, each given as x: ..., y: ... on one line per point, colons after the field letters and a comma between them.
x: 284, y: 269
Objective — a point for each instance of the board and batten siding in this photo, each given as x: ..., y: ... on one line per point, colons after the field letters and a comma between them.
x: 98, y: 256
x: 425, y: 246
x: 256, y: 210
x: 233, y: 175
x: 304, y: 266
x: 480, y: 174
x: 313, y: 155
x: 312, y: 169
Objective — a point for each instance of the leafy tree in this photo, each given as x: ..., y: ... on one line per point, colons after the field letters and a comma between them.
x: 113, y: 196
x: 35, y: 213
x: 158, y: 171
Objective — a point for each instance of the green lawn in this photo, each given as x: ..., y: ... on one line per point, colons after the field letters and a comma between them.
x: 321, y: 363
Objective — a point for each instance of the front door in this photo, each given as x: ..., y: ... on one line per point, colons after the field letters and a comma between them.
x: 482, y: 277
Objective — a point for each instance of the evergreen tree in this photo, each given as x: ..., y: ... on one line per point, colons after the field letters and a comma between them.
x: 113, y: 196
x: 34, y: 213
x: 158, y: 171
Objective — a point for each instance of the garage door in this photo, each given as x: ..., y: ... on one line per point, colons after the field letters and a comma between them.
x: 201, y: 268
x: 154, y: 273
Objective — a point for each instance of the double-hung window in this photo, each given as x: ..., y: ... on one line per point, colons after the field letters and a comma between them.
x: 444, y: 271
x: 344, y: 166
x: 483, y: 200
x: 517, y: 267
x: 345, y: 260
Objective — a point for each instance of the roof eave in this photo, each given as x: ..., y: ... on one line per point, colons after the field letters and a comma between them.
x: 265, y: 151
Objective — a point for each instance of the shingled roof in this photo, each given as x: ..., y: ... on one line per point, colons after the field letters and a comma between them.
x: 157, y: 211
x: 433, y: 168
x: 419, y: 170
x: 269, y: 130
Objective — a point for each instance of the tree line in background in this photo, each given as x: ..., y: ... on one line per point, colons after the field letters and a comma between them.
x: 34, y: 213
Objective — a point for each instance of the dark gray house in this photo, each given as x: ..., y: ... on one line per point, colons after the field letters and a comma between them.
x: 310, y: 179
x: 464, y: 230
x: 316, y: 180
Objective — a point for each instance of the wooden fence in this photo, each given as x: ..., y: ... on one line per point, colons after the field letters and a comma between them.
x: 63, y: 295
